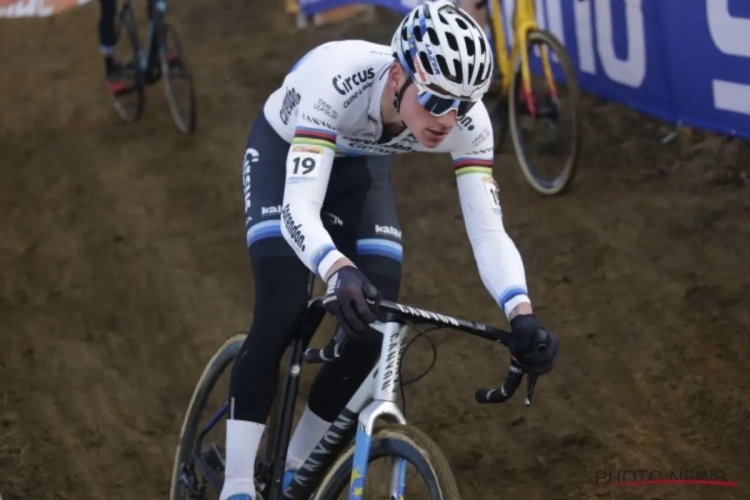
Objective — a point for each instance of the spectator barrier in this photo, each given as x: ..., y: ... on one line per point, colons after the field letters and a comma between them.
x: 683, y: 61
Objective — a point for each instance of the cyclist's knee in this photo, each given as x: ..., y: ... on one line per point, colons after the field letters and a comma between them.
x: 363, y: 350
x: 380, y: 257
x: 339, y: 379
x: 384, y: 273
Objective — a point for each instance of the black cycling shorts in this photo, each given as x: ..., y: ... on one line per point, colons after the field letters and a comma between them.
x: 359, y: 210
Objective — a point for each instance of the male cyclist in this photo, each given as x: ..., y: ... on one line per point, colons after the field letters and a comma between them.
x: 319, y: 198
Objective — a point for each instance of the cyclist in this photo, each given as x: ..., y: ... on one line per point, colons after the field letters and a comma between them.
x: 107, y: 41
x: 319, y: 198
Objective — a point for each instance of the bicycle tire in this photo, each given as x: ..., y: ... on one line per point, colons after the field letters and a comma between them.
x: 401, y: 441
x: 126, y: 19
x: 564, y: 180
x: 186, y: 124
x: 220, y: 360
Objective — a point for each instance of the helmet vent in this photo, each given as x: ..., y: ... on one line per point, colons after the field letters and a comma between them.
x: 433, y: 36
x: 469, y: 46
x: 426, y: 63
x: 452, y: 42
x: 478, y: 80
x: 418, y: 33
x: 446, y: 70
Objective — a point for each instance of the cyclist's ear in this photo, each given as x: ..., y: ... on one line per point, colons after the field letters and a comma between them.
x: 396, y: 76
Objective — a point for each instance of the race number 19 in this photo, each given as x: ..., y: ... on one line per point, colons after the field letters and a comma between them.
x: 304, y: 165
x: 493, y: 192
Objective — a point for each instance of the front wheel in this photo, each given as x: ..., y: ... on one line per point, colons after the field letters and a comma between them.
x: 178, y: 80
x: 395, y: 441
x: 537, y: 122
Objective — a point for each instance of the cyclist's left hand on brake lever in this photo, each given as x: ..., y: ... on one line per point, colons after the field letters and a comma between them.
x: 369, y: 294
x: 353, y: 299
x: 532, y: 345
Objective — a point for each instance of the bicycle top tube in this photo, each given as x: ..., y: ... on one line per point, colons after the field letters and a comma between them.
x: 401, y: 313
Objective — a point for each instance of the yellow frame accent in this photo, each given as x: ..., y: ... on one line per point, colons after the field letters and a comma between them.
x: 524, y: 22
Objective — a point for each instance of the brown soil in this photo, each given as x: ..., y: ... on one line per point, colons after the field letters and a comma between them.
x: 123, y: 265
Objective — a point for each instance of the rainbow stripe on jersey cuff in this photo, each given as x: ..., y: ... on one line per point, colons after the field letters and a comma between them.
x: 463, y: 166
x: 315, y: 136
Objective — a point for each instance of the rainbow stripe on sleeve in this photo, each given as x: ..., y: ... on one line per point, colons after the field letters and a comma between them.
x: 315, y: 136
x: 465, y: 166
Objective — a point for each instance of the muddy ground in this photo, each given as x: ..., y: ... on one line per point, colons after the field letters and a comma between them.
x: 123, y: 265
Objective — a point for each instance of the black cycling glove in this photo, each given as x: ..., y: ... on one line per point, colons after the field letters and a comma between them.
x: 345, y: 298
x: 532, y: 345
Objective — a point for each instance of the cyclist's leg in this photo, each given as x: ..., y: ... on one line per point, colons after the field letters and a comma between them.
x: 281, y: 296
x: 107, y: 38
x: 371, y: 226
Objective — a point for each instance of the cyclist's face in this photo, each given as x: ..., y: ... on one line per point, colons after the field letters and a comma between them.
x: 428, y: 129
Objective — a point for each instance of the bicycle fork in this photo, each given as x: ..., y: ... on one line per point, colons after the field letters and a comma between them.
x: 384, y: 391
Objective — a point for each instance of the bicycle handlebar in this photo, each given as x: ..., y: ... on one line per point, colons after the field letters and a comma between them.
x: 507, y: 390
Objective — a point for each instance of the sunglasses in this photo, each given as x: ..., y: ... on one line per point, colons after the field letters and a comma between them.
x: 440, y: 106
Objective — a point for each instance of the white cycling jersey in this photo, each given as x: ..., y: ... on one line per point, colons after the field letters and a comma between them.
x: 328, y: 106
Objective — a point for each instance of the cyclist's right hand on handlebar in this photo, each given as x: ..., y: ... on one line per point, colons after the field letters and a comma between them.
x: 533, y: 346
x: 345, y: 298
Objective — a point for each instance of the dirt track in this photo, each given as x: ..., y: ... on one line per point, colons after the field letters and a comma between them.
x: 123, y: 264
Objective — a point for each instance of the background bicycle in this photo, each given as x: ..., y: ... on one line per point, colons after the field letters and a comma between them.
x: 161, y: 58
x: 536, y: 97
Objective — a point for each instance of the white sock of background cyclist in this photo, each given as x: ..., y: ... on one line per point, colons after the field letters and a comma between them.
x: 242, y: 442
x: 309, y: 432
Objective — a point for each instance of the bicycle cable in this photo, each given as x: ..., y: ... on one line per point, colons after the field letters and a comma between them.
x: 402, y: 383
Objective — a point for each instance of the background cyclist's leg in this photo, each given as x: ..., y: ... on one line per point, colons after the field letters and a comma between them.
x: 281, y: 295
x: 107, y: 40
x: 373, y: 236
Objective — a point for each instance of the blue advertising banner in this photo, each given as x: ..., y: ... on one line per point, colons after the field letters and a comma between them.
x: 684, y: 61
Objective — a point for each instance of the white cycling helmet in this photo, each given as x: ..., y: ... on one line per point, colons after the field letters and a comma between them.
x: 445, y: 50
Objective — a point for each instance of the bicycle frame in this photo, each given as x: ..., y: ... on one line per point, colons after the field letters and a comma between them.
x: 523, y: 22
x: 375, y: 399
x: 157, y: 11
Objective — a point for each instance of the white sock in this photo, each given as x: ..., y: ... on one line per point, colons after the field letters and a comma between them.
x: 243, y: 439
x: 308, y: 433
